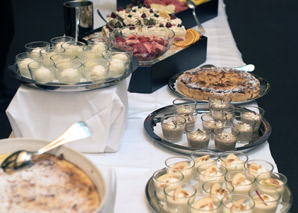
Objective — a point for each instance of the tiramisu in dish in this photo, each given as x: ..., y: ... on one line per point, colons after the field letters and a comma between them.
x: 202, y: 83
x: 50, y: 184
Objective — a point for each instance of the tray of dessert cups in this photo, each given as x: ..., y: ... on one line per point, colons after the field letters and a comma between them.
x: 63, y: 65
x: 187, y: 125
x: 205, y: 181
x: 264, y: 88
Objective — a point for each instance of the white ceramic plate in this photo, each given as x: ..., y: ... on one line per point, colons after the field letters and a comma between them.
x: 14, y: 144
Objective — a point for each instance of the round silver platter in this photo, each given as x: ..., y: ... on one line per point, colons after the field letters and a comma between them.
x: 82, y: 86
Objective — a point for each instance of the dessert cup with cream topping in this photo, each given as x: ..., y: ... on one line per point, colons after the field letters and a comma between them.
x: 184, y: 105
x: 257, y: 167
x: 58, y: 41
x: 177, y: 198
x: 204, y: 156
x: 35, y: 48
x: 245, y: 129
x: 241, y: 181
x: 225, y: 114
x: 275, y: 181
x: 74, y: 48
x: 162, y: 179
x: 225, y: 139
x: 203, y: 203
x: 233, y: 160
x: 220, y: 102
x: 23, y: 59
x: 265, y: 203
x: 96, y: 69
x: 42, y: 73
x: 69, y: 71
x: 210, y: 123
x: 173, y: 127
x: 218, y: 190
x: 183, y: 164
x: 238, y: 203
x: 198, y: 138
x: 252, y: 113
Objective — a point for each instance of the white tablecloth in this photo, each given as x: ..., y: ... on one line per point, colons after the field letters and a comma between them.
x: 139, y: 156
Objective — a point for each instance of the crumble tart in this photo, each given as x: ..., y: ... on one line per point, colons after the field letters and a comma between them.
x: 204, y: 82
x: 50, y: 184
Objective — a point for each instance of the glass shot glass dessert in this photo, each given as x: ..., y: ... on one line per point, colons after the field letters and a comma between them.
x: 74, y: 48
x: 173, y: 127
x: 238, y: 203
x: 245, y: 129
x: 41, y: 73
x: 241, y: 181
x: 265, y: 203
x: 218, y: 190
x: 57, y: 42
x: 275, y: 181
x: 183, y: 164
x: 23, y: 59
x: 257, y: 167
x: 204, y: 203
x: 177, y: 198
x: 252, y: 115
x: 225, y: 140
x: 220, y: 102
x: 233, y: 160
x: 96, y: 69
x: 184, y: 105
x: 35, y: 48
x: 204, y: 156
x: 225, y: 114
x: 162, y: 179
x: 69, y: 72
x: 210, y: 123
x: 197, y: 137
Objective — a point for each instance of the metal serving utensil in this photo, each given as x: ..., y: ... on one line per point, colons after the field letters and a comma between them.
x: 23, y: 158
x: 193, y: 6
x: 245, y: 68
x: 101, y: 16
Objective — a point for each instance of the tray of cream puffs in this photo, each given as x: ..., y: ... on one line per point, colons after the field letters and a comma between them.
x: 206, y: 181
x: 66, y: 65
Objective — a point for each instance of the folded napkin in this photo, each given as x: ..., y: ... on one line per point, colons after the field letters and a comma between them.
x: 45, y: 115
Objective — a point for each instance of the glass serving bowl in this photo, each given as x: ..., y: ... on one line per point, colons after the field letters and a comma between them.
x: 148, y: 42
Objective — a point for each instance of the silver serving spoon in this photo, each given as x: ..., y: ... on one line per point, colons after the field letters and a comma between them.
x: 22, y: 158
x: 193, y: 6
x: 245, y: 68
x: 101, y: 16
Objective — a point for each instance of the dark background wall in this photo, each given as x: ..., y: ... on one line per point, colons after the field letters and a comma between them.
x: 265, y: 32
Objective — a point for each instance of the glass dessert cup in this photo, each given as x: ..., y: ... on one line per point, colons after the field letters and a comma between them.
x: 35, y: 48
x: 196, y: 137
x: 183, y: 164
x: 245, y: 129
x: 149, y: 43
x: 210, y: 123
x: 57, y: 42
x: 238, y: 203
x: 23, y: 59
x: 220, y: 102
x: 241, y: 181
x: 162, y: 179
x: 68, y: 71
x: 265, y: 203
x: 96, y: 69
x: 257, y: 167
x: 74, y: 48
x: 184, y: 105
x: 223, y: 114
x: 204, y: 203
x: 99, y: 44
x: 46, y: 56
x: 42, y: 73
x: 204, y: 156
x: 217, y: 190
x: 233, y: 160
x: 173, y: 127
x: 273, y: 181
x: 252, y: 113
x: 225, y: 139
x: 177, y: 198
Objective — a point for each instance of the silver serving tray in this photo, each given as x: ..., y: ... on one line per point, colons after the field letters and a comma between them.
x: 264, y: 89
x: 153, y: 129
x: 60, y: 87
x: 159, y: 206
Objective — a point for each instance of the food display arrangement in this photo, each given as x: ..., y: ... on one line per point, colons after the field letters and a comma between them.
x: 208, y: 182
x: 62, y: 180
x: 66, y: 65
x: 220, y: 126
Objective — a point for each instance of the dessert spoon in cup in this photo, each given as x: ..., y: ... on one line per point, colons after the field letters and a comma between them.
x: 193, y: 6
x: 23, y: 158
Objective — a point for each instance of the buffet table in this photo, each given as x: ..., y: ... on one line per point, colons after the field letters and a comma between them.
x: 128, y: 170
x: 139, y: 156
